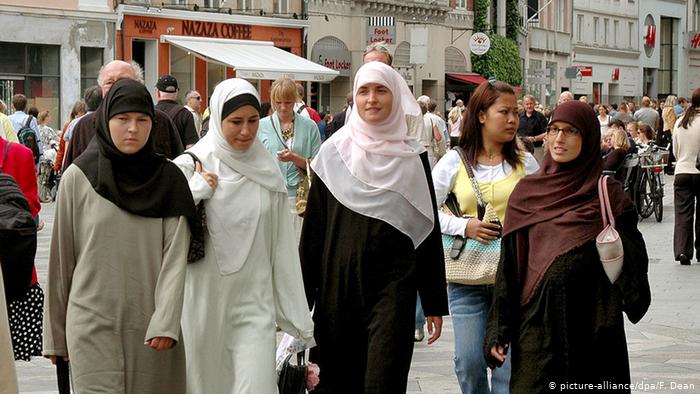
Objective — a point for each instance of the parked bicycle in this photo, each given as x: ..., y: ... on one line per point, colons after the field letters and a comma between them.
x: 642, y: 177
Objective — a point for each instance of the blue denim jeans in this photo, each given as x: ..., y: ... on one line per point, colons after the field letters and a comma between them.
x: 469, y: 308
x: 420, y: 315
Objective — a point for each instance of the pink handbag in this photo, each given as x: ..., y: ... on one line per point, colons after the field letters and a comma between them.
x: 608, y: 241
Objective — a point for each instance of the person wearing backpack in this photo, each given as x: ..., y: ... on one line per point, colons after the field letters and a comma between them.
x: 19, y: 206
x: 26, y: 126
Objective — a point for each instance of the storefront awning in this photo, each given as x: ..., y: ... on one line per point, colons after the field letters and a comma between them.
x: 472, y: 79
x: 253, y: 59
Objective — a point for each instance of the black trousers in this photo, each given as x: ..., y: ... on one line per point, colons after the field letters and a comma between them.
x: 686, y: 201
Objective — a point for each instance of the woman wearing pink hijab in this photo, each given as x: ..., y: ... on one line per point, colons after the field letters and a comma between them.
x: 370, y: 241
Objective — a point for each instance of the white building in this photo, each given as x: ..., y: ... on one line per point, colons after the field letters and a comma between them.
x: 663, y: 54
x: 427, y: 40
x: 606, y: 50
x: 53, y: 50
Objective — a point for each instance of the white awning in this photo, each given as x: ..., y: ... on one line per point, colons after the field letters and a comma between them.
x: 253, y: 59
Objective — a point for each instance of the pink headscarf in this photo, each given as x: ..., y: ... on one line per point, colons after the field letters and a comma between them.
x: 376, y: 170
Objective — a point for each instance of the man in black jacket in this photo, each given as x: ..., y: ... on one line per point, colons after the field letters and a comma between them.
x: 532, y: 128
x: 184, y: 121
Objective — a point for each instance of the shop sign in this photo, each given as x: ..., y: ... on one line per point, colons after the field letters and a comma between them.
x: 584, y: 71
x: 216, y: 30
x: 381, y: 28
x: 338, y: 60
x: 694, y: 40
x: 479, y: 43
x: 145, y: 26
x: 615, y: 74
x: 381, y: 33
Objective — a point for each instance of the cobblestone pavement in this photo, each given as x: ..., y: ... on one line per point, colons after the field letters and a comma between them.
x: 664, y: 347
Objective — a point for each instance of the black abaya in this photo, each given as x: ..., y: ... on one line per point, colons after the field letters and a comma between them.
x: 572, y: 330
x: 362, y: 274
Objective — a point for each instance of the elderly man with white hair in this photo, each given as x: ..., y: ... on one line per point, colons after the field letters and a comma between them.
x: 166, y: 138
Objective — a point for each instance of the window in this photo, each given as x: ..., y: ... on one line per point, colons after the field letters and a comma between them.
x: 244, y: 5
x: 596, y: 28
x: 212, y: 3
x: 696, y: 15
x: 461, y: 4
x: 616, y: 33
x: 630, y: 42
x: 280, y: 6
x: 561, y: 15
x: 606, y: 28
x: 32, y: 70
x: 579, y: 27
x: 90, y: 63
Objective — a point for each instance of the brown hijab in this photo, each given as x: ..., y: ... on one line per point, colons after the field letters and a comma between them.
x: 557, y: 209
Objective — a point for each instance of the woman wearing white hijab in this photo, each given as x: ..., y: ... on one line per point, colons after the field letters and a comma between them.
x: 249, y: 279
x: 370, y: 241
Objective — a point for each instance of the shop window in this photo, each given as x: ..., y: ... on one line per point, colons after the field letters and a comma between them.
x: 90, y: 62
x: 32, y: 70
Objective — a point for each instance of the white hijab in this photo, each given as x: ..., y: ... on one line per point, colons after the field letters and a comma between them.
x: 375, y: 170
x: 234, y: 210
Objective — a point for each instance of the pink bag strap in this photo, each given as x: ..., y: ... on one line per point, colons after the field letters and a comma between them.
x: 605, y: 208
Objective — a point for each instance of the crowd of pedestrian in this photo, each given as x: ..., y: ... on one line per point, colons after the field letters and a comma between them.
x: 185, y: 237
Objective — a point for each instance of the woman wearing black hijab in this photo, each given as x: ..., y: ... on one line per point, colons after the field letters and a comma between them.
x: 118, y: 256
x: 553, y: 305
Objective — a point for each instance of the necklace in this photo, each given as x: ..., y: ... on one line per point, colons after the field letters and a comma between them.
x: 288, y: 133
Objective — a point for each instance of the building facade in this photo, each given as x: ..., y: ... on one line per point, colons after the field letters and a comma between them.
x: 691, y: 42
x: 52, y: 50
x: 428, y: 40
x: 548, y: 28
x: 606, y: 50
x: 663, y: 47
x: 202, y: 43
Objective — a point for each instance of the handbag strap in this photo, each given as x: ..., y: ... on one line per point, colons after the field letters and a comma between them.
x: 195, y: 159
x: 481, y: 205
x: 605, y: 208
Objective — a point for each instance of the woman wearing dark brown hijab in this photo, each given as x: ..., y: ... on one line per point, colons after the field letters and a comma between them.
x: 554, y: 306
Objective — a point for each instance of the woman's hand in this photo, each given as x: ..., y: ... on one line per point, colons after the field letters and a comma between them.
x: 286, y: 155
x: 434, y: 324
x: 55, y: 358
x: 211, y: 178
x: 482, y: 231
x: 498, y: 352
x: 159, y: 343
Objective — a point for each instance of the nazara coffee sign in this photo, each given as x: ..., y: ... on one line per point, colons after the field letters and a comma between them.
x: 216, y: 30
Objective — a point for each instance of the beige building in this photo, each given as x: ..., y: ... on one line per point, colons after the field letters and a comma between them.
x: 692, y: 43
x: 52, y: 50
x: 428, y: 40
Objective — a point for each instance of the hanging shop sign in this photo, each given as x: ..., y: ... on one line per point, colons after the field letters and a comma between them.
x: 694, y: 40
x: 479, y: 43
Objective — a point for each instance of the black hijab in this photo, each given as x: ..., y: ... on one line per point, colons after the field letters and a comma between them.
x: 144, y: 183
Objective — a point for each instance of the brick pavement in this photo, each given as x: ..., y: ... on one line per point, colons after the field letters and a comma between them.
x: 664, y: 347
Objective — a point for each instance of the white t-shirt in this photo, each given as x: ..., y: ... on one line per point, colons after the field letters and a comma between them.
x: 456, y: 128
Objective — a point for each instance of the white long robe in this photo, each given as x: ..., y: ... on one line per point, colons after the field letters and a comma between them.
x: 234, y: 299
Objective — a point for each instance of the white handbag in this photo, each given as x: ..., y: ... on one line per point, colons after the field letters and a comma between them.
x: 608, y: 241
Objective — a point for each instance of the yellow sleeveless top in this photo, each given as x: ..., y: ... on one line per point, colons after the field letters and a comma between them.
x: 497, y: 193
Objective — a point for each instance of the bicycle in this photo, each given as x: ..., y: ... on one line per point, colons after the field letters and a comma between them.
x: 650, y: 186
